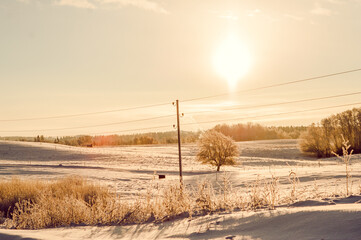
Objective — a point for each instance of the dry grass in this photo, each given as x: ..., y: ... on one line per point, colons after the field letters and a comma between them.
x: 14, y: 191
x: 271, y: 192
x: 346, y: 157
x: 74, y: 201
x: 293, y: 179
x: 42, y: 204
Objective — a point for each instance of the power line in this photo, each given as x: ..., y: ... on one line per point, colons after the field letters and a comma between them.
x: 273, y: 114
x: 222, y: 120
x: 84, y: 114
x: 276, y: 104
x: 166, y: 116
x: 232, y: 119
x: 99, y: 125
x: 130, y: 130
x: 273, y: 85
x: 186, y: 100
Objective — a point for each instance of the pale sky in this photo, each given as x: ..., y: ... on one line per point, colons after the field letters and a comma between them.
x: 60, y: 57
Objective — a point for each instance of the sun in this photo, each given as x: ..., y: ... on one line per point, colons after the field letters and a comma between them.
x: 232, y: 60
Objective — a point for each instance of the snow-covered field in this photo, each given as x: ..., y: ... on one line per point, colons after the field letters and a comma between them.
x: 130, y: 170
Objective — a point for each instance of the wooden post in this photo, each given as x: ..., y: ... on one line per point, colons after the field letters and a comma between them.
x: 179, y: 145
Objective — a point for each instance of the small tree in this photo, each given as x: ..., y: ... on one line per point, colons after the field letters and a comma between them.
x: 216, y: 149
x: 313, y: 141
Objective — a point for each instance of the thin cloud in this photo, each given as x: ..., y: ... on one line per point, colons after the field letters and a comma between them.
x: 321, y: 11
x: 95, y: 4
x: 336, y: 1
x: 253, y: 12
x: 229, y: 17
x: 293, y: 17
x: 76, y: 3
x: 143, y: 4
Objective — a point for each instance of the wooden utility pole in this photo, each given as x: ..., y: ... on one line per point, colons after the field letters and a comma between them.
x: 179, y: 145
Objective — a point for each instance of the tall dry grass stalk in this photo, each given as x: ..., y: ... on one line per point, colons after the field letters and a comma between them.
x: 256, y: 200
x: 271, y: 192
x: 294, y: 180
x: 204, y: 197
x: 346, y: 157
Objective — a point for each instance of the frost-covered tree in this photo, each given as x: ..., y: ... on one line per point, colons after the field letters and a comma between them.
x: 216, y: 149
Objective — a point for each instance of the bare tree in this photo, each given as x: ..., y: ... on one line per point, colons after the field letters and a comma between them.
x: 216, y: 149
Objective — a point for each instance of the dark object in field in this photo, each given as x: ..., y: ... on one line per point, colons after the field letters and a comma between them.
x: 60, y: 165
x: 89, y: 145
x: 230, y: 237
x: 161, y: 176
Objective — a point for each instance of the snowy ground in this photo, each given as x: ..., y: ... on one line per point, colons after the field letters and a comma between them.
x: 130, y: 170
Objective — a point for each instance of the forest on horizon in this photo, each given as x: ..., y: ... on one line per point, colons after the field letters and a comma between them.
x: 238, y: 132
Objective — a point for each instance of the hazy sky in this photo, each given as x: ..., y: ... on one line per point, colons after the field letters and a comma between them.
x: 61, y: 57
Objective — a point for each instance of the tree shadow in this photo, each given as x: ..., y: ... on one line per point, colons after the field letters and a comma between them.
x: 14, y: 237
x: 21, y: 152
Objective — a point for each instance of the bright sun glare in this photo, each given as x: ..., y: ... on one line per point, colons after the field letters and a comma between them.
x: 232, y: 60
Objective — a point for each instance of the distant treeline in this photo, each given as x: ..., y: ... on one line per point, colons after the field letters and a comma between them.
x: 113, y: 140
x: 145, y: 138
x: 250, y: 132
x: 239, y: 132
x: 324, y: 138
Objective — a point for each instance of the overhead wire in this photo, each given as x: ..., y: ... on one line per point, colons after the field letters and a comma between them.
x: 234, y: 119
x: 185, y: 100
x: 84, y: 114
x: 275, y: 104
x: 231, y: 119
x: 90, y: 126
x: 189, y: 100
x: 131, y: 130
x: 166, y: 116
x: 194, y: 112
x: 273, y: 85
x: 273, y: 114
